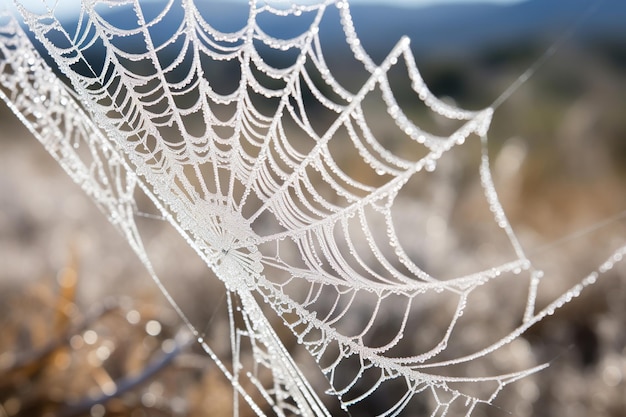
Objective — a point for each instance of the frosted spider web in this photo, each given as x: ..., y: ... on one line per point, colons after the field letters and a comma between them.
x: 261, y: 190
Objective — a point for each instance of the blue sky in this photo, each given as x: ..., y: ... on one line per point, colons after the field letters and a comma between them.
x: 416, y: 3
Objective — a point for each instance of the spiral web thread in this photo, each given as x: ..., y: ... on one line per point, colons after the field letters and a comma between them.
x: 257, y: 188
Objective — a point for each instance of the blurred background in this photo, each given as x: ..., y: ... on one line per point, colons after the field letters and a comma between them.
x: 80, y: 317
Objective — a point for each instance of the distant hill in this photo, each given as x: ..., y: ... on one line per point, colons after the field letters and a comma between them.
x: 440, y: 34
x: 440, y: 30
x: 452, y: 29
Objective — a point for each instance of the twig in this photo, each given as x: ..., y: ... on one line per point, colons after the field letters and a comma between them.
x: 124, y: 385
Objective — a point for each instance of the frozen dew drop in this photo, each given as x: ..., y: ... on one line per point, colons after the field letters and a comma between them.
x: 90, y: 337
x: 133, y: 317
x: 153, y: 328
x: 97, y: 410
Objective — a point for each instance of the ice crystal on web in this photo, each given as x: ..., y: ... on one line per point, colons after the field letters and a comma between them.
x: 283, y: 182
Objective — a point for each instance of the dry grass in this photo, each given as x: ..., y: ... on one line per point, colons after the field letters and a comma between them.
x: 119, y: 357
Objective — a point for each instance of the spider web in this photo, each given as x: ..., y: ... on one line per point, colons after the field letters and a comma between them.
x: 281, y: 182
